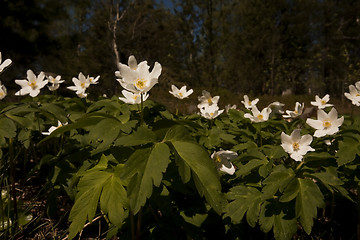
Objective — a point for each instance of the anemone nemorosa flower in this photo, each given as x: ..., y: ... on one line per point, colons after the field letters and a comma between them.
x: 3, y: 91
x: 133, y: 98
x: 296, y: 145
x: 32, y: 85
x: 80, y: 85
x: 326, y: 124
x: 207, y: 100
x: 354, y: 94
x: 210, y: 112
x: 258, y: 116
x: 249, y: 104
x: 55, y: 82
x: 53, y: 128
x: 180, y: 93
x: 297, y: 111
x: 4, y: 64
x: 321, y: 103
x: 136, y: 78
x: 222, y: 160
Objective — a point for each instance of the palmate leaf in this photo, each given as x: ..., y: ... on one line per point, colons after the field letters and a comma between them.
x: 348, y: 149
x: 279, y: 217
x: 277, y: 181
x: 113, y: 200
x: 145, y: 167
x: 142, y: 135
x: 204, y: 172
x: 244, y: 199
x: 198, y: 160
x: 7, y: 128
x: 86, y: 202
x: 308, y: 199
x: 96, y: 184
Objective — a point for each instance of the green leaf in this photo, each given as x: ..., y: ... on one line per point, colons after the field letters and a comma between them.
x: 279, y: 217
x: 244, y: 199
x: 348, y: 149
x: 86, y: 202
x: 277, y: 181
x: 309, y: 198
x: 274, y: 151
x: 145, y: 166
x: 204, y: 171
x: 178, y: 133
x: 113, y: 200
x: 7, y: 128
x: 143, y: 135
x: 248, y: 167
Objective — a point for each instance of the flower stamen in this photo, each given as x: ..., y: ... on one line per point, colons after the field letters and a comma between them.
x: 327, y: 124
x: 296, y: 146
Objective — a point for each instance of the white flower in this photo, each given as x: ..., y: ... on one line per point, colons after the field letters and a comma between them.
x: 326, y: 124
x: 297, y: 111
x: 81, y: 94
x: 228, y: 107
x: 133, y: 98
x: 276, y: 107
x: 249, y: 104
x: 222, y: 160
x: 210, y: 112
x: 321, y: 103
x: 296, y: 145
x: 207, y: 100
x: 3, y: 91
x: 182, y: 93
x: 81, y: 84
x: 53, y: 128
x: 257, y: 115
x: 136, y: 78
x: 93, y: 80
x: 354, y: 94
x: 32, y: 85
x: 55, y: 82
x: 3, y: 65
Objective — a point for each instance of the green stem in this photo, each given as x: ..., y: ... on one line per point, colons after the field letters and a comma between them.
x: 12, y: 181
x: 138, y: 225
x: 141, y: 110
x: 260, y: 136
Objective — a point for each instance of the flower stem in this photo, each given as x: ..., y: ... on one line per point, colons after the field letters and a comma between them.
x: 141, y: 109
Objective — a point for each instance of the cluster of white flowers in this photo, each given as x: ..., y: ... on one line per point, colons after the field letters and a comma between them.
x: 256, y: 115
x: 354, y: 94
x: 82, y: 83
x: 137, y: 80
x: 208, y: 105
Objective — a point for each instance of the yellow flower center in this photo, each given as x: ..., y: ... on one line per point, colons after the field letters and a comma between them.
x: 32, y: 84
x: 323, y: 102
x: 135, y: 97
x: 358, y: 94
x: 218, y: 159
x: 249, y: 102
x: 91, y: 79
x: 210, y: 101
x: 296, y: 146
x: 260, y: 117
x: 82, y: 85
x: 327, y: 124
x: 211, y: 114
x: 2, y: 94
x: 180, y: 94
x: 140, y: 83
x: 296, y: 112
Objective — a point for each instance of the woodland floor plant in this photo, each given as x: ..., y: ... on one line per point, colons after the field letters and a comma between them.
x: 130, y: 169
